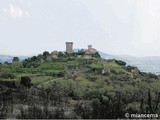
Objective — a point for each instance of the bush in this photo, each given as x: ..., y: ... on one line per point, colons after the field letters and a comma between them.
x: 26, y: 81
x: 142, y: 73
x: 93, y: 94
x: 130, y: 68
x: 151, y: 75
x: 60, y: 54
x: 54, y: 73
x: 120, y: 62
x: 29, y: 64
x: 97, y: 55
x: 8, y: 76
x: 114, y: 71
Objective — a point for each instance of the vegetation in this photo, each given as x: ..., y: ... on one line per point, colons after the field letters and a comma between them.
x: 26, y: 81
x: 73, y: 86
x: 15, y: 59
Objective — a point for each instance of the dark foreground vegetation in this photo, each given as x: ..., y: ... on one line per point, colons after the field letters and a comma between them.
x: 78, y: 86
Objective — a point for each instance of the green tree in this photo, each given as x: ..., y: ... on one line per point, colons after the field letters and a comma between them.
x: 96, y: 55
x: 46, y: 53
x: 34, y: 58
x: 15, y: 59
x: 60, y: 54
x: 6, y: 63
x: 40, y: 56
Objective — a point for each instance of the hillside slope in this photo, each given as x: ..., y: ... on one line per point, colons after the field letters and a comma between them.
x: 145, y: 64
x: 76, y: 86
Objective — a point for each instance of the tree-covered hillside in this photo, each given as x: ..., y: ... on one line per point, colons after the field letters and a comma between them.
x: 61, y: 85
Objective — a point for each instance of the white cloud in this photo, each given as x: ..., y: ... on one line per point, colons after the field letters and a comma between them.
x: 16, y: 12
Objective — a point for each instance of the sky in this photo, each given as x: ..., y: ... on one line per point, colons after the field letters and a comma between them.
x: 118, y: 27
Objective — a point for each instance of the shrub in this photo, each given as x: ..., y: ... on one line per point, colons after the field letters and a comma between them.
x: 114, y: 71
x: 130, y: 68
x: 142, y: 73
x: 54, y: 73
x: 97, y: 55
x: 93, y: 94
x: 60, y: 54
x: 151, y: 75
x: 120, y: 62
x: 8, y: 76
x: 26, y: 81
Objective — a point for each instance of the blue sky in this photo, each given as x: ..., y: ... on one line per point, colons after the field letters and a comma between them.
x: 128, y: 27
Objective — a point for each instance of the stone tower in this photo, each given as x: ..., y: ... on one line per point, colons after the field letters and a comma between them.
x: 89, y: 47
x: 69, y: 47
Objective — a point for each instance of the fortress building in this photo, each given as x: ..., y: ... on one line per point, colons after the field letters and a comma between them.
x: 69, y: 47
x: 89, y: 47
x: 90, y: 50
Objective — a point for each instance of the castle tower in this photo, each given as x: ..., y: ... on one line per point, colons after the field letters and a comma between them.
x: 69, y: 47
x: 91, y: 50
x: 89, y: 47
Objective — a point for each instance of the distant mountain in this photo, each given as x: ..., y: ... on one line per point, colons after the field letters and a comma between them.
x: 106, y: 56
x: 4, y: 58
x: 145, y: 64
x: 7, y: 58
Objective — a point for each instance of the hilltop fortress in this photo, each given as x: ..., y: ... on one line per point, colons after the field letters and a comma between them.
x: 69, y: 49
x: 69, y: 53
